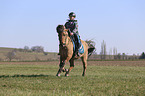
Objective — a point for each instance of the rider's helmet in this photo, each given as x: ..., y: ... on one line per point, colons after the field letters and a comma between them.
x: 72, y: 14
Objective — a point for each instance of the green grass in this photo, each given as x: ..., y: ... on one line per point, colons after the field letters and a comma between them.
x: 40, y: 80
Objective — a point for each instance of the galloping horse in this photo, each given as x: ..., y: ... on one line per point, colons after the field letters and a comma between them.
x: 66, y: 51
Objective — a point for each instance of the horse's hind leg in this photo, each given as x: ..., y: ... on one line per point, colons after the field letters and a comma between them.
x: 84, y: 60
x: 71, y: 67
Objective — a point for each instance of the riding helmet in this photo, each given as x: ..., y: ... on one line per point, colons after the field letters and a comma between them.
x: 72, y: 14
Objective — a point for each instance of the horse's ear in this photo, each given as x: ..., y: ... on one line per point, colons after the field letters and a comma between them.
x: 66, y: 30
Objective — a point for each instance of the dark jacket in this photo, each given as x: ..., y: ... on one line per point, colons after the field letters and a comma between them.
x: 72, y: 25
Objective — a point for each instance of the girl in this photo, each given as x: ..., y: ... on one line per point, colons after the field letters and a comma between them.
x: 72, y: 25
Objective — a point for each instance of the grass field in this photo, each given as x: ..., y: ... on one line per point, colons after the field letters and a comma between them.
x: 103, y: 78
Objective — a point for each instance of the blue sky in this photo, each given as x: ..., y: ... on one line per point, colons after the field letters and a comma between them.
x: 120, y: 23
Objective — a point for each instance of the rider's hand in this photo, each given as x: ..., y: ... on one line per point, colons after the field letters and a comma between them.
x: 71, y: 34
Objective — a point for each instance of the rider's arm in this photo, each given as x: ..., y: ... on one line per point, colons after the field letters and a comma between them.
x: 67, y: 27
x: 75, y: 31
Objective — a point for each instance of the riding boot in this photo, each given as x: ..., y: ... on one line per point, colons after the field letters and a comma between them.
x: 77, y: 44
x: 78, y: 53
x: 77, y: 48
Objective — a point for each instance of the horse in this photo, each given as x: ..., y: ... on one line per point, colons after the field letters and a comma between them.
x: 67, y: 53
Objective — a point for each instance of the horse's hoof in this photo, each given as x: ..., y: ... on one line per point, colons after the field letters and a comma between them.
x: 83, y: 74
x: 66, y: 70
x: 58, y: 75
x: 66, y: 75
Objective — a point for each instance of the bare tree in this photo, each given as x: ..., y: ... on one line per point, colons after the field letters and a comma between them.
x: 115, y: 53
x: 91, y: 45
x: 26, y: 48
x: 110, y: 52
x: 103, y: 50
x: 37, y: 49
x: 11, y: 55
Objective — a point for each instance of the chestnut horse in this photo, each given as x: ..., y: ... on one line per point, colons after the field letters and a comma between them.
x: 66, y: 51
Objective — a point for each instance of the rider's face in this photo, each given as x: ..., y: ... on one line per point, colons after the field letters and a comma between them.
x: 72, y: 18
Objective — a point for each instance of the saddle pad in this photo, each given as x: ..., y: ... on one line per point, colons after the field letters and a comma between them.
x: 81, y: 49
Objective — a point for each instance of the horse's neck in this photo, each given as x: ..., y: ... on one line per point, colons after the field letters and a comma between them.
x: 69, y: 41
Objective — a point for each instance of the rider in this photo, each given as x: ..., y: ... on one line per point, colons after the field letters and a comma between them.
x: 72, y: 25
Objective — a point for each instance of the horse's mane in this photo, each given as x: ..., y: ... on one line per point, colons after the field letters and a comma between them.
x: 60, y: 28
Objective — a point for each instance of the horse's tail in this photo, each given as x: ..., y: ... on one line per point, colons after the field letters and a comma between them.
x: 91, y: 49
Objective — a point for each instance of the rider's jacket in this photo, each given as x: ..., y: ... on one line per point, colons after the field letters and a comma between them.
x: 72, y: 25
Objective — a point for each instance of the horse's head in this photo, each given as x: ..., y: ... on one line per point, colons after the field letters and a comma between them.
x: 62, y: 34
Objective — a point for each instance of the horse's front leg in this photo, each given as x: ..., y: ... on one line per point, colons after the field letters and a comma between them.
x: 61, y: 68
x: 71, y: 67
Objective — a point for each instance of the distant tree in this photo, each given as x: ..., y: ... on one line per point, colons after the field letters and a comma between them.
x: 103, y: 50
x: 110, y: 53
x: 37, y: 49
x: 124, y: 56
x: 91, y: 45
x: 11, y: 55
x: 142, y: 56
x: 119, y: 56
x: 26, y: 48
x: 115, y: 53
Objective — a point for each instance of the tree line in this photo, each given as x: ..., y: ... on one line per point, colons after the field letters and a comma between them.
x: 33, y: 49
x: 114, y: 55
x: 12, y: 54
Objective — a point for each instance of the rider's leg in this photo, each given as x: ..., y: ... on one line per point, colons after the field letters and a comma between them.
x: 77, y: 39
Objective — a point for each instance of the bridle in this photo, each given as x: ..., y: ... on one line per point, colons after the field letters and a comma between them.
x: 64, y: 44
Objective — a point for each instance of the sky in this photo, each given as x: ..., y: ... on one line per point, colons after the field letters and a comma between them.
x: 120, y: 23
